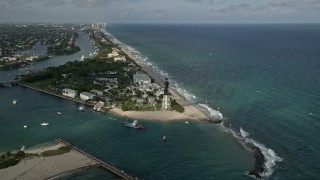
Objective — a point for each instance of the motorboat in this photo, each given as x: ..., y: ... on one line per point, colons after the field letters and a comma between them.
x: 164, y: 138
x: 14, y: 102
x: 59, y: 113
x: 187, y: 122
x: 82, y: 108
x: 25, y: 126
x: 22, y: 148
x: 134, y: 125
x: 44, y: 124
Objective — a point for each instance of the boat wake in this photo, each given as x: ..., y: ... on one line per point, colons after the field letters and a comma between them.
x: 265, y: 158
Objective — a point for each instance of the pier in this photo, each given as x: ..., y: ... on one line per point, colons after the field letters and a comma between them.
x: 101, y: 163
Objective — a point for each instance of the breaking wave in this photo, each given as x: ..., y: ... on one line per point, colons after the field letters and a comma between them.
x: 269, y: 155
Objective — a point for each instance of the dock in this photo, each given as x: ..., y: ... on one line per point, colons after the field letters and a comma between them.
x: 101, y: 163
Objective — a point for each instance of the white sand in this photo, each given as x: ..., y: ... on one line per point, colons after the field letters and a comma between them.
x: 45, y: 167
x: 150, y: 115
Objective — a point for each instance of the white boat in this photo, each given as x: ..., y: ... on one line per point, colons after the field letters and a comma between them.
x: 187, y: 122
x: 22, y: 148
x: 14, y: 102
x: 44, y: 124
x: 164, y: 138
x: 25, y: 126
x: 82, y: 58
x: 59, y: 113
x: 82, y: 108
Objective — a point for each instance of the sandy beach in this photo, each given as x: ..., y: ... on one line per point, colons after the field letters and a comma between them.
x: 44, y: 167
x: 150, y: 115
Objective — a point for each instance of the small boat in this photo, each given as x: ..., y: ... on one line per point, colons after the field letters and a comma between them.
x: 59, y: 113
x: 25, y: 126
x: 82, y: 58
x: 164, y: 138
x: 134, y: 125
x: 187, y: 122
x: 82, y: 108
x: 14, y: 102
x: 44, y: 124
x: 22, y: 148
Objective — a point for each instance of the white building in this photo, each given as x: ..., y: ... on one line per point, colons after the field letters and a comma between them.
x: 86, y: 96
x: 141, y: 78
x: 69, y: 92
x: 113, y: 54
x: 122, y: 59
x: 166, y: 102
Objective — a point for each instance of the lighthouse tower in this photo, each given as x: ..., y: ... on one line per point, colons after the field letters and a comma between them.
x: 166, y: 103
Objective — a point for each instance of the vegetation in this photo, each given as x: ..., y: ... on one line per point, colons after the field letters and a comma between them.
x: 176, y: 106
x: 61, y: 150
x: 9, y: 159
x: 8, y: 162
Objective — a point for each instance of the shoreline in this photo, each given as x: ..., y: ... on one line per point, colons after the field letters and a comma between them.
x: 59, y: 165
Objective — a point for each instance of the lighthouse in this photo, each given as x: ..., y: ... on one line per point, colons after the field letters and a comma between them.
x: 166, y: 103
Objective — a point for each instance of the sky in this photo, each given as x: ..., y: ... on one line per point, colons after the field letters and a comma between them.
x: 160, y: 11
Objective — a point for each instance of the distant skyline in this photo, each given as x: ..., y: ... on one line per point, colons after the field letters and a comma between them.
x: 160, y: 11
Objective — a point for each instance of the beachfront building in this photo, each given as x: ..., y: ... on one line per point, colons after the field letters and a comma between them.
x: 141, y: 78
x: 86, y: 96
x: 166, y: 102
x: 69, y: 93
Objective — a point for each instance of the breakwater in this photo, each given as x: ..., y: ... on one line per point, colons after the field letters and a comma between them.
x: 100, y: 162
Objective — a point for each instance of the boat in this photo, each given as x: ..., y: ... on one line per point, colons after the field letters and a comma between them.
x: 44, y: 124
x: 82, y: 108
x: 14, y: 102
x: 59, y: 113
x: 22, y: 148
x: 164, y: 138
x: 134, y: 125
x: 82, y: 58
x: 187, y: 122
x: 25, y: 126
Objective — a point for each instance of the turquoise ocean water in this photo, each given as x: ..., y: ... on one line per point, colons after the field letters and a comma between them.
x: 263, y: 78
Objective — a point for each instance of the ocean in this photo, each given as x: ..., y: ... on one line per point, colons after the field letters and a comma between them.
x: 262, y: 78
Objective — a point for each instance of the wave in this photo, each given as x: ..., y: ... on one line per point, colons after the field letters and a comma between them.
x: 215, y: 114
x: 268, y: 154
x: 270, y: 157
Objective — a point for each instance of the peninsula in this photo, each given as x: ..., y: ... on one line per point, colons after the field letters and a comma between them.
x: 113, y: 80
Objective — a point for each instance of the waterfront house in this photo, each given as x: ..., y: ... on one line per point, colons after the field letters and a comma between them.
x: 69, y: 93
x: 86, y: 96
x: 141, y: 78
x: 98, y: 93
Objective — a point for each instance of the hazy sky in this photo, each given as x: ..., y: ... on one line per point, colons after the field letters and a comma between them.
x: 161, y: 11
